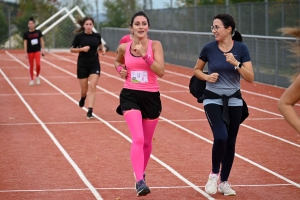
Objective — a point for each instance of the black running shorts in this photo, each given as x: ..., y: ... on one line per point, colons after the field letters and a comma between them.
x: 147, y: 102
x: 86, y: 71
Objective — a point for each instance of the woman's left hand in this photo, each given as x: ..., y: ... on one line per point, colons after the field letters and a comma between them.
x: 231, y: 59
x: 103, y: 50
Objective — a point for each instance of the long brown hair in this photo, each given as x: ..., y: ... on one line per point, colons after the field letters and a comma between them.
x: 294, y: 47
x: 80, y: 22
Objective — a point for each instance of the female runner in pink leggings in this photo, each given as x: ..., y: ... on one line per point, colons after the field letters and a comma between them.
x: 140, y: 62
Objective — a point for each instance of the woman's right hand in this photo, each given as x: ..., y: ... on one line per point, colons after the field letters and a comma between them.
x: 123, y: 72
x: 85, y: 48
x: 213, y: 77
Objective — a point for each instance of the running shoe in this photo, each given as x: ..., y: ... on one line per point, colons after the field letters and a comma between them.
x: 225, y: 188
x: 37, y: 80
x: 142, y: 188
x: 89, y: 114
x: 212, y: 184
x: 31, y: 82
x: 144, y: 178
x: 81, y: 101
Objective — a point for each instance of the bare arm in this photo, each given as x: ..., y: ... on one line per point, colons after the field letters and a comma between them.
x: 246, y: 71
x: 158, y: 66
x: 42, y: 44
x: 25, y: 48
x: 120, y: 61
x: 102, y: 47
x: 287, y: 101
x: 198, y: 71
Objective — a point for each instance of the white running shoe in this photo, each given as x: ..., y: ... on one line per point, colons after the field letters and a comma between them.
x: 225, y: 188
x: 31, y: 82
x: 37, y: 80
x: 212, y: 183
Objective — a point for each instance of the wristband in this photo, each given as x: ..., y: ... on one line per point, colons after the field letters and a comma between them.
x: 145, y: 56
x: 119, y: 68
x: 148, y: 59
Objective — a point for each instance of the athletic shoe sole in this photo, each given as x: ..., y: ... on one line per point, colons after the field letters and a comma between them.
x: 143, y: 192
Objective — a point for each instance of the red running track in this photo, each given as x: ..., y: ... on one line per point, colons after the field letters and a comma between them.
x: 49, y: 150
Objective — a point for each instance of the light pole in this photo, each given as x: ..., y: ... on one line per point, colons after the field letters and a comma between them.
x: 97, y: 15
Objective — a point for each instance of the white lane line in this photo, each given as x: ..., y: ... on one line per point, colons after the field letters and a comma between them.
x: 63, y: 151
x: 37, y: 94
x: 113, y: 128
x: 249, y: 127
x: 51, y: 123
x: 130, y: 188
x: 198, y: 136
x: 120, y: 121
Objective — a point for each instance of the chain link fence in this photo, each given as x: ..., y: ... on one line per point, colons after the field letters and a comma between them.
x: 251, y: 18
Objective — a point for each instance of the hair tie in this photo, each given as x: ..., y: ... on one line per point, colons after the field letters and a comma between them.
x: 233, y: 32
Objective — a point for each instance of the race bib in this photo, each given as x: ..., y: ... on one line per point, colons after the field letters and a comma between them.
x: 34, y: 41
x: 139, y: 76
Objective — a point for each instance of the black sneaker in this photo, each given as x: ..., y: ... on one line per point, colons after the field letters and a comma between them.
x: 89, y: 114
x: 144, y: 178
x: 142, y: 188
x: 81, y: 101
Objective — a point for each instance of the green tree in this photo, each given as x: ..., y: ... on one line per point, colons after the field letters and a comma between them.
x: 40, y: 10
x: 119, y: 12
x: 3, y: 28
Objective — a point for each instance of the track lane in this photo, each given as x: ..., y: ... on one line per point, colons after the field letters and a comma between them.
x: 131, y: 191
x: 206, y: 151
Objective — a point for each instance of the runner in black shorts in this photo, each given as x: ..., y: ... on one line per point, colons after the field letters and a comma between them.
x: 86, y: 43
x: 147, y: 102
x: 140, y: 62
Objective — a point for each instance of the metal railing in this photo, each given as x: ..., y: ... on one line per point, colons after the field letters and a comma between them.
x: 270, y: 56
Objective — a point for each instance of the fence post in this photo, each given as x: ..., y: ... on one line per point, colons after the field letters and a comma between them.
x: 276, y: 62
x: 256, y: 56
x: 252, y: 19
x: 9, y: 27
x: 266, y: 18
x: 282, y: 14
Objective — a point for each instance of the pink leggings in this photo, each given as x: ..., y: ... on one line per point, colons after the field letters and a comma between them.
x: 142, y: 131
x: 37, y: 57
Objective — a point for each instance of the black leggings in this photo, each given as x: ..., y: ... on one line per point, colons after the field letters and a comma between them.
x: 223, y: 149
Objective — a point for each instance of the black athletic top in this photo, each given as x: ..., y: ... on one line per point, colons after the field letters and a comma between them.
x: 93, y: 41
x: 33, y: 40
